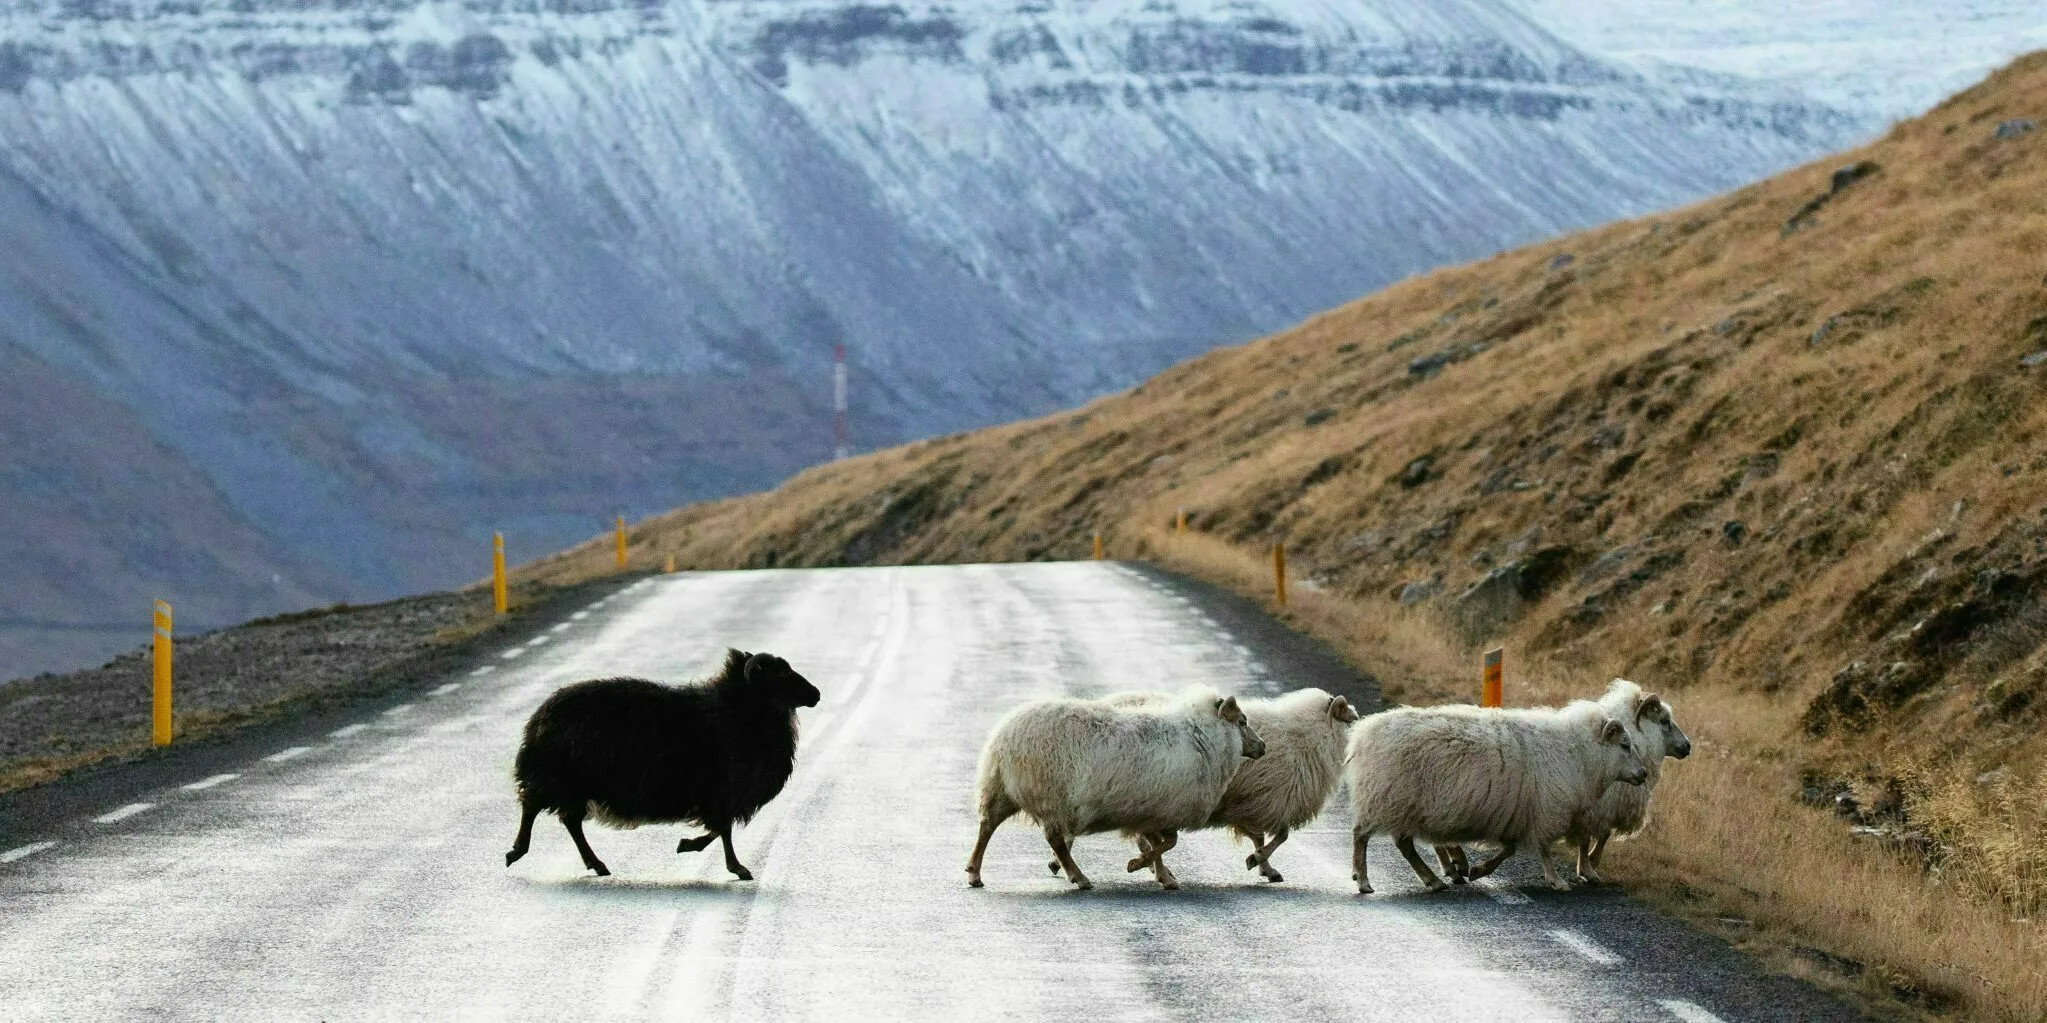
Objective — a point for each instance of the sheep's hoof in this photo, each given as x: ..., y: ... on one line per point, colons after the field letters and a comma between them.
x: 1560, y: 885
x: 1251, y: 862
x: 1053, y: 866
x: 1460, y: 879
x: 1135, y: 865
x: 742, y: 874
x: 1364, y: 888
x: 1275, y: 877
x: 1591, y: 878
x: 974, y: 882
x: 1434, y: 886
x: 600, y: 869
x: 513, y: 857
x: 1084, y: 884
x: 1171, y: 886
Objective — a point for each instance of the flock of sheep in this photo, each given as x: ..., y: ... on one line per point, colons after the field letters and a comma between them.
x: 1151, y: 765
x: 628, y: 751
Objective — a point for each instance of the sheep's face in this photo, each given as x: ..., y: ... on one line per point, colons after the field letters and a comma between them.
x: 779, y: 682
x: 1652, y: 714
x: 1341, y: 711
x: 1227, y: 709
x: 1623, y: 764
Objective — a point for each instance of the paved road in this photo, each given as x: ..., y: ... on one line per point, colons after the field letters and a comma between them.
x: 359, y: 874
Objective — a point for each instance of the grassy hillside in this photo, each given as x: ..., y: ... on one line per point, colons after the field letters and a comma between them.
x: 1780, y: 454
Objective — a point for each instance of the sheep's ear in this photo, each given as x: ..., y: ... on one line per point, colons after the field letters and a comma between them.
x: 1612, y: 731
x: 1648, y: 705
x: 1227, y: 709
x: 1341, y: 710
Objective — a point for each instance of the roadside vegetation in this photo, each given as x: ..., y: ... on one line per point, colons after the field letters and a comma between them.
x: 1779, y: 455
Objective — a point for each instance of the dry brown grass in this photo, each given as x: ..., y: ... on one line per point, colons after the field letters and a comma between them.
x: 1796, y: 479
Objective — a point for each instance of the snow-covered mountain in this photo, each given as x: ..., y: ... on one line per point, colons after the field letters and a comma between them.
x: 359, y: 281
x: 1894, y: 58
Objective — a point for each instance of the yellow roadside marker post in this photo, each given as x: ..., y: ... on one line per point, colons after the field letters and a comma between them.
x: 669, y: 565
x: 1279, y: 573
x: 497, y: 571
x: 1098, y: 546
x: 621, y: 543
x: 1489, y: 692
x: 1180, y: 521
x: 160, y: 697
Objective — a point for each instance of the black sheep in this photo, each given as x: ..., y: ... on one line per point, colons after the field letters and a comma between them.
x: 629, y: 752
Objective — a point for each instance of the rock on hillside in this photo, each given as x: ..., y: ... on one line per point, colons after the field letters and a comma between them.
x: 1788, y: 440
x: 356, y: 283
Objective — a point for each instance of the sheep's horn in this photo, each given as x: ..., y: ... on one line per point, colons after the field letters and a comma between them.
x: 1644, y: 705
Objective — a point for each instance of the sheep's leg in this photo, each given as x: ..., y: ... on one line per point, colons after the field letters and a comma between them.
x: 1062, y: 849
x: 1149, y: 846
x: 1584, y: 864
x: 1547, y: 851
x: 1455, y: 866
x: 572, y: 819
x: 991, y: 819
x: 1257, y: 847
x: 519, y: 845
x: 1166, y: 840
x: 1405, y: 843
x: 1359, y: 838
x: 732, y: 863
x: 1265, y: 857
x: 1588, y: 863
x: 696, y: 844
x: 1492, y: 864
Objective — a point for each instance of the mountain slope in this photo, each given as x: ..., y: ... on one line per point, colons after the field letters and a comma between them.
x: 1783, y: 453
x: 389, y: 276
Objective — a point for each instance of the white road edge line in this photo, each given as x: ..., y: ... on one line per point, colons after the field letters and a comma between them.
x: 1502, y: 894
x: 286, y: 754
x: 1585, y: 947
x: 117, y: 816
x: 403, y: 708
x: 1689, y: 1012
x: 209, y: 782
x: 343, y: 733
x: 444, y: 690
x: 25, y: 851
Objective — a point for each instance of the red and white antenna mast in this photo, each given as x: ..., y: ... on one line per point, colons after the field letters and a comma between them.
x: 840, y: 446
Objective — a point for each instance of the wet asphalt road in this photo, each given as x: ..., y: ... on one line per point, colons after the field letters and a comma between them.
x: 357, y: 873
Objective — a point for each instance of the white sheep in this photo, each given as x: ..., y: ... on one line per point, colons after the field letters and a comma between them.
x: 1081, y: 767
x: 1622, y: 810
x: 1304, y: 733
x: 1470, y: 774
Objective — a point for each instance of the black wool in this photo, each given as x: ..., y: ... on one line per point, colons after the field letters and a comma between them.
x: 630, y: 752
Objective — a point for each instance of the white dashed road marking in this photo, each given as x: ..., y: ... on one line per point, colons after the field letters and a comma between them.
x: 123, y: 813
x: 343, y: 733
x: 21, y: 851
x: 579, y: 616
x: 1583, y: 946
x: 536, y: 641
x: 209, y: 782
x: 1502, y: 894
x: 403, y: 708
x: 513, y: 652
x: 1689, y: 1012
x: 485, y: 670
x: 563, y: 627
x: 445, y: 690
x: 286, y: 754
